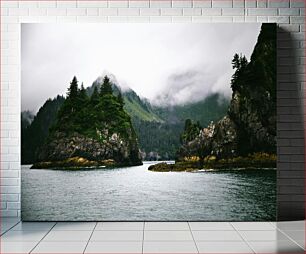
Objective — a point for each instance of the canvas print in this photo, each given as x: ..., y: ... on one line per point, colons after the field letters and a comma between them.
x: 159, y: 122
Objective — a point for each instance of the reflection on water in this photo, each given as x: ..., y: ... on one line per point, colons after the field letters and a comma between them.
x: 138, y: 194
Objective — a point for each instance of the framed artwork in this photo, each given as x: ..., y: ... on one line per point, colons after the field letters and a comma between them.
x: 155, y: 122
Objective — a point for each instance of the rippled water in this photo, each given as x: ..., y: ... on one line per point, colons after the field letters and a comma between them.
x: 135, y: 193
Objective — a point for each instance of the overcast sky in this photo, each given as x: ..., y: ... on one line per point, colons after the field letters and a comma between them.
x: 166, y: 63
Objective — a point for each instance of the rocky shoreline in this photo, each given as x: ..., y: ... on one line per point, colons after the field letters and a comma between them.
x: 255, y: 161
x: 77, y: 163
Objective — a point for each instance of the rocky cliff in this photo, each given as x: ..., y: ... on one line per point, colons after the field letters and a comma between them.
x: 250, y: 124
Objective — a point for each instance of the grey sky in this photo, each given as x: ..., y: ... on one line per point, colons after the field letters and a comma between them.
x: 181, y: 62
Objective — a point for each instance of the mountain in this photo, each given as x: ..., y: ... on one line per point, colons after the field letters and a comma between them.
x: 157, y: 128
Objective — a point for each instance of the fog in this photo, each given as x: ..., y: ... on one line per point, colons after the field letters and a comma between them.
x: 166, y: 63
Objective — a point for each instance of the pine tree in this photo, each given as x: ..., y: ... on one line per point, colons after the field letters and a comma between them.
x: 73, y: 89
x: 106, y: 87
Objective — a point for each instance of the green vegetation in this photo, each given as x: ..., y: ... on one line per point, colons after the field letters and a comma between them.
x: 94, y: 128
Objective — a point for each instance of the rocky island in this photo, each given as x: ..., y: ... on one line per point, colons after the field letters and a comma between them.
x: 246, y: 136
x: 90, y: 131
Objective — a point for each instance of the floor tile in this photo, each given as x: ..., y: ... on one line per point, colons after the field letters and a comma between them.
x: 33, y: 226
x: 69, y: 236
x: 101, y: 236
x: 216, y: 236
x: 114, y: 247
x: 258, y: 235
x: 296, y: 235
x: 69, y: 226
x: 168, y: 236
x: 223, y: 247
x: 60, y: 247
x: 211, y: 226
x: 166, y: 226
x: 169, y: 247
x: 291, y: 225
x: 253, y: 226
x: 23, y: 236
x: 17, y: 247
x: 120, y: 226
x: 276, y: 247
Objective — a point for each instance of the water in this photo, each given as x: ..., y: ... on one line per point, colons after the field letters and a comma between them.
x: 135, y: 193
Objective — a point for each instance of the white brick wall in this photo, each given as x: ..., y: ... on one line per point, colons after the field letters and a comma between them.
x: 288, y: 13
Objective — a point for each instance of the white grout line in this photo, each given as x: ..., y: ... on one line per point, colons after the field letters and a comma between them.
x: 13, y: 225
x: 42, y: 238
x: 90, y: 237
x: 243, y: 238
x: 193, y: 238
x: 292, y: 238
x: 143, y: 232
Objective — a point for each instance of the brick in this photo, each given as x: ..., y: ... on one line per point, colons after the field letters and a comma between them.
x: 149, y: 12
x: 278, y: 3
x: 66, y: 4
x: 222, y: 3
x: 57, y: 12
x: 9, y: 197
x: 92, y: 4
x: 38, y: 11
x: 262, y: 4
x: 118, y: 4
x: 181, y: 3
x: 233, y: 12
x: 47, y: 4
x: 9, y: 213
x: 18, y: 12
x: 279, y: 20
x: 160, y: 19
x: 201, y: 19
x: 92, y: 11
x: 9, y: 181
x: 171, y: 11
x: 238, y: 3
x: 139, y: 4
x: 9, y: 173
x: 13, y: 205
x: 288, y: 11
x: 28, y: 4
x: 108, y: 11
x: 297, y: 3
x: 297, y: 20
x: 222, y: 19
x: 250, y: 19
x: 238, y: 19
x: 262, y: 12
x: 128, y: 11
x: 192, y: 11
x: 202, y: 3
x: 10, y: 189
x: 160, y: 4
x: 139, y: 19
x: 118, y: 19
x: 9, y: 4
x: 250, y: 3
x: 211, y: 11
x: 262, y: 19
x: 76, y: 11
x: 181, y: 19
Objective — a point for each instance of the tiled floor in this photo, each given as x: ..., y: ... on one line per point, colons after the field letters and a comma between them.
x: 152, y: 237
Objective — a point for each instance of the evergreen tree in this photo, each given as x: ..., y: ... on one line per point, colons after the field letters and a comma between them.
x: 106, y: 87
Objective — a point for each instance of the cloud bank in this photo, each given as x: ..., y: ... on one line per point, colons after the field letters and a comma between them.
x: 166, y: 63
